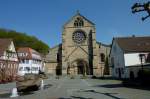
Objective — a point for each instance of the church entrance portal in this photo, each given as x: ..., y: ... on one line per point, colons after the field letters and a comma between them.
x: 79, y: 67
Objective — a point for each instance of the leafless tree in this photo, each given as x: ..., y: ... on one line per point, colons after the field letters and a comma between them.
x: 139, y: 7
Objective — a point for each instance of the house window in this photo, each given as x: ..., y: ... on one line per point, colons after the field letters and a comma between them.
x: 34, y: 68
x: 122, y: 70
x: 27, y: 69
x: 33, y: 61
x: 102, y: 57
x: 112, y: 61
x: 78, y: 22
x: 22, y: 61
x: 27, y: 61
x: 116, y: 70
x: 21, y: 69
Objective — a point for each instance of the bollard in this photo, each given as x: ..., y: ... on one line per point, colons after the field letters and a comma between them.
x: 14, y: 93
x: 42, y: 84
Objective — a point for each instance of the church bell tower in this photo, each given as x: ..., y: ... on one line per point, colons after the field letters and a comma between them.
x: 79, y: 46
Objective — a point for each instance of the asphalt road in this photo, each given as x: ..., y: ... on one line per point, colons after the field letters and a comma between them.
x: 66, y: 88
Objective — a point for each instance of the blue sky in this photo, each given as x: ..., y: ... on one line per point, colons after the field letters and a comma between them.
x: 45, y: 18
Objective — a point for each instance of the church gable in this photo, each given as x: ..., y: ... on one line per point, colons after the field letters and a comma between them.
x: 79, y: 21
x: 77, y: 53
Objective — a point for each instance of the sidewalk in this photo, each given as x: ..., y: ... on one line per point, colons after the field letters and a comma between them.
x: 6, y: 88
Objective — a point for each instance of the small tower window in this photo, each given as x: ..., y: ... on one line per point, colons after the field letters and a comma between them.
x: 78, y: 22
x: 102, y: 57
x: 58, y: 57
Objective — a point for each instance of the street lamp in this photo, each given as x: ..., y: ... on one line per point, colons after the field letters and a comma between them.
x: 141, y: 56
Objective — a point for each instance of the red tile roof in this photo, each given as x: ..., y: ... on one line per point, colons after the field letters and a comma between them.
x: 27, y: 50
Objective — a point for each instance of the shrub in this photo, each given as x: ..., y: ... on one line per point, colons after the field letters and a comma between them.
x: 144, y: 76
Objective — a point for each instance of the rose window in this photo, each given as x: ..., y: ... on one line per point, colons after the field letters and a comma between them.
x: 78, y: 37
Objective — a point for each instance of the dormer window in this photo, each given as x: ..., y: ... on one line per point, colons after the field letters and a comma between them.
x: 78, y: 22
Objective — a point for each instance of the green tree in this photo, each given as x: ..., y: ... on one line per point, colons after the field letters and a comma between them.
x: 24, y: 40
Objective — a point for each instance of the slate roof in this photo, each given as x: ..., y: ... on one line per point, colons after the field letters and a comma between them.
x: 134, y: 44
x: 4, y: 44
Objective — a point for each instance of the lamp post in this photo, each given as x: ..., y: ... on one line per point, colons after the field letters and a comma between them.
x: 141, y: 56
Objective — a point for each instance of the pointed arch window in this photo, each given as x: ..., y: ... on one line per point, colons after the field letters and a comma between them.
x: 78, y: 22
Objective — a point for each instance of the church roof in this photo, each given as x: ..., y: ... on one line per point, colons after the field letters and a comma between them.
x: 106, y: 45
x: 56, y: 46
x: 134, y: 44
x: 78, y: 14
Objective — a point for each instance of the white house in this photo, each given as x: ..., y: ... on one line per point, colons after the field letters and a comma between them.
x: 30, y: 61
x: 8, y: 60
x: 129, y: 55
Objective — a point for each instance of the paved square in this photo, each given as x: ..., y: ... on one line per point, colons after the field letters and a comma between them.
x: 66, y: 88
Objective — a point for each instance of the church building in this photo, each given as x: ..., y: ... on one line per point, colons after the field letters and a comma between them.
x: 79, y: 52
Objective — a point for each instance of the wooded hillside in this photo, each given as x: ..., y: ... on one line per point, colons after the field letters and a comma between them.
x: 24, y: 40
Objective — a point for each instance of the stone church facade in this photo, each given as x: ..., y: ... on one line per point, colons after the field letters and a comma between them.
x: 79, y: 52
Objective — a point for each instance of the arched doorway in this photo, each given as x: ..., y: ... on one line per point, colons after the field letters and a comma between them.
x: 58, y: 70
x: 79, y: 66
